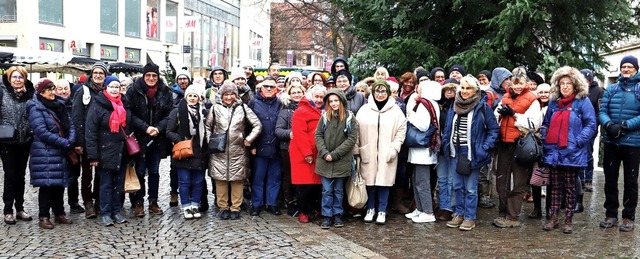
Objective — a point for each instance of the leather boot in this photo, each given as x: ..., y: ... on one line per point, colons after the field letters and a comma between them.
x: 45, y: 223
x: 552, y: 223
x: 398, y: 207
x: 138, y: 210
x: 89, y: 210
x: 579, y: 207
x: 568, y: 226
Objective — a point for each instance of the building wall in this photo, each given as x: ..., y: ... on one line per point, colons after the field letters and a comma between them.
x: 612, y: 72
x: 255, y: 33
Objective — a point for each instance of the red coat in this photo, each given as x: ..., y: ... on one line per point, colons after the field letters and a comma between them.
x: 303, y: 125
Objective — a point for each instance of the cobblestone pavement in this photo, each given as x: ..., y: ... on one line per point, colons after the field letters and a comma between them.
x: 171, y: 236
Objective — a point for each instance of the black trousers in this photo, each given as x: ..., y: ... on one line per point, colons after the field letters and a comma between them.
x: 14, y: 163
x: 630, y: 158
x: 51, y: 197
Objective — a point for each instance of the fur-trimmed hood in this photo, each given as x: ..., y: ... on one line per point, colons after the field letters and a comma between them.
x: 580, y: 84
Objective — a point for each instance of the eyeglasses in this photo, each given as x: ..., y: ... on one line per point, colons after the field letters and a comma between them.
x: 183, y: 78
x: 17, y: 77
x: 151, y: 75
x: 381, y: 93
x: 423, y: 79
x: 269, y: 86
x: 98, y: 73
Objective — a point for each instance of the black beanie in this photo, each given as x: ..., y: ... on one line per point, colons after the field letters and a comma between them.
x: 434, y: 70
x: 420, y: 73
x: 487, y: 73
x: 343, y: 72
x: 151, y: 67
x: 458, y: 68
x: 630, y: 59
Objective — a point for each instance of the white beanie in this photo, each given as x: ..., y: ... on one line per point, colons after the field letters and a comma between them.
x: 294, y: 74
x: 237, y: 72
x: 195, y: 89
x: 183, y: 73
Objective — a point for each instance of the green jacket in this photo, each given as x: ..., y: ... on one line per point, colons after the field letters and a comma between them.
x: 332, y: 139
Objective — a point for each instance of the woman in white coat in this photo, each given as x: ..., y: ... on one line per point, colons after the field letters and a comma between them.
x: 423, y: 113
x: 382, y: 130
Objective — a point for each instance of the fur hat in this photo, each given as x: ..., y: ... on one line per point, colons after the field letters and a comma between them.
x: 236, y: 73
x: 228, y: 87
x: 629, y: 59
x: 44, y: 84
x: 151, y: 67
x: 109, y: 79
x: 104, y: 67
x: 194, y: 89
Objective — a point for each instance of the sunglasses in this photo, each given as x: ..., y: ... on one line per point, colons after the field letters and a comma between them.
x: 269, y: 86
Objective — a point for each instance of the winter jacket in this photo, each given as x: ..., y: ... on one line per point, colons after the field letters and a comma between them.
x: 336, y: 138
x: 175, y: 134
x: 421, y: 119
x: 582, y: 129
x: 267, y: 110
x: 103, y: 146
x: 621, y: 103
x: 283, y: 124
x: 595, y: 96
x: 177, y: 94
x: 232, y: 165
x: 482, y: 135
x: 527, y: 109
x: 145, y: 113
x: 80, y: 110
x: 303, y: 125
x: 382, y: 133
x: 355, y: 99
x: 14, y: 111
x: 498, y: 76
x: 48, y: 163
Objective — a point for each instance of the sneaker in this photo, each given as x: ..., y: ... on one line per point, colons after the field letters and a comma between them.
x: 424, y: 218
x: 119, y: 218
x: 413, y: 214
x: 381, y: 218
x: 507, y: 223
x: 188, y: 214
x: 627, y: 225
x: 76, y: 208
x: 326, y: 223
x: 337, y: 221
x: 9, y: 219
x: 155, y: 209
x: 235, y: 215
x: 196, y: 212
x: 467, y: 225
x: 106, y: 220
x: 369, y: 217
x: 173, y: 201
x: 609, y: 222
x: 455, y: 222
x: 303, y: 218
x: 22, y: 215
x: 225, y: 214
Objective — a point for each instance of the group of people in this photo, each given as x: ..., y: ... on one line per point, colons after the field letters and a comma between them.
x: 438, y: 138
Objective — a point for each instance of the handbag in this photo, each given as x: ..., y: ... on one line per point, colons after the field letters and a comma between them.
x: 529, y: 148
x: 7, y: 132
x: 463, y: 166
x: 131, y: 143
x: 218, y: 141
x: 540, y: 175
x: 183, y: 149
x: 416, y: 137
x: 356, y: 189
x: 131, y: 182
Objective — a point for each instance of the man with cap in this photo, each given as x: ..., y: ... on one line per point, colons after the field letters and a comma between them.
x: 81, y: 101
x: 595, y: 96
x: 620, y: 115
x: 340, y: 63
x: 150, y: 103
x: 457, y: 72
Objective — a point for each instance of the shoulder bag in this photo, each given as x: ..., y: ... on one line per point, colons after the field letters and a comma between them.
x: 7, y: 131
x: 131, y: 143
x: 416, y: 137
x: 183, y: 149
x: 528, y: 148
x: 356, y: 188
x: 540, y: 175
x: 218, y: 141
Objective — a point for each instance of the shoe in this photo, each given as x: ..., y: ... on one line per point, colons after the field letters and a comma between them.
x: 627, y: 225
x: 535, y: 214
x: 588, y: 187
x: 552, y: 223
x: 568, y: 226
x: 235, y: 215
x: 75, y: 208
x: 507, y: 223
x: 467, y: 225
x: 119, y: 218
x: 62, y: 219
x: 196, y: 212
x: 498, y: 219
x: 445, y: 215
x: 138, y: 210
x: 22, y: 215
x: 273, y: 210
x: 155, y: 209
x: 424, y: 218
x: 106, y: 220
x: 45, y: 223
x: 609, y: 222
x: 326, y: 223
x: 225, y: 214
x: 187, y: 213
x: 173, y: 201
x: 337, y: 221
x: 89, y: 210
x: 579, y: 208
x: 254, y: 212
x: 455, y: 222
x: 412, y: 214
x: 9, y: 219
x: 303, y: 218
x: 204, y: 207
x: 486, y: 202
x: 369, y: 217
x: 381, y: 218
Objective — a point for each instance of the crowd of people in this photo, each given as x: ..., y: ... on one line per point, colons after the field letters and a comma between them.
x: 438, y: 139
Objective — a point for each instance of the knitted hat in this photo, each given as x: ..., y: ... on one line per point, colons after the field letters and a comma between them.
x: 294, y: 75
x: 587, y: 73
x: 228, y: 87
x: 630, y: 59
x: 486, y: 73
x: 82, y: 79
x: 194, y: 89
x: 343, y: 72
x: 421, y: 73
x: 381, y: 83
x: 237, y: 72
x: 100, y: 65
x: 434, y: 70
x: 280, y: 79
x: 458, y: 68
x: 109, y: 79
x: 392, y: 79
x: 183, y: 73
x: 44, y: 84
x: 150, y: 67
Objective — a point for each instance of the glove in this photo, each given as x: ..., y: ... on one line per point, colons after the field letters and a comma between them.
x: 508, y: 111
x: 614, y: 131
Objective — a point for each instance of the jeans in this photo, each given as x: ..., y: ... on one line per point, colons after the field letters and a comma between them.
x: 191, y: 183
x: 148, y: 163
x: 14, y: 163
x: 630, y: 158
x: 332, y: 196
x: 466, y: 189
x: 266, y: 175
x: 445, y: 171
x: 111, y: 189
x: 421, y: 179
x: 383, y: 197
x: 586, y: 173
x: 51, y: 197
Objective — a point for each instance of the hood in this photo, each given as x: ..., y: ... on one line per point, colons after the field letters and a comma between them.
x: 31, y: 90
x: 498, y: 76
x: 430, y: 90
x: 340, y: 94
x: 580, y: 84
x: 218, y: 68
x: 629, y: 81
x: 339, y: 59
x: 176, y: 89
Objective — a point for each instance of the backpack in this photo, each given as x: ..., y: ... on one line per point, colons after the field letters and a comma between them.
x: 86, y: 95
x: 492, y: 98
x: 347, y: 129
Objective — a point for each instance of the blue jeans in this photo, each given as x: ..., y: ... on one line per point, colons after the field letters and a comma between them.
x: 586, y: 173
x: 111, y: 190
x: 148, y: 163
x: 383, y: 197
x: 445, y: 170
x: 265, y: 170
x: 190, y: 184
x: 466, y: 190
x: 332, y: 196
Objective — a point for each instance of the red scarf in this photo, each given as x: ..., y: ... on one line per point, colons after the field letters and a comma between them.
x: 558, y: 132
x: 151, y: 93
x: 119, y: 115
x: 434, y: 143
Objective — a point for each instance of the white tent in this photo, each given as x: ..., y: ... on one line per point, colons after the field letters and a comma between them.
x: 38, y: 60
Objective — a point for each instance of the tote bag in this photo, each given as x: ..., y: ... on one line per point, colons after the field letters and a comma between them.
x: 131, y: 183
x: 356, y: 189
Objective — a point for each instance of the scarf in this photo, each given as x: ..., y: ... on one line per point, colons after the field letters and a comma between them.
x: 190, y: 121
x: 119, y: 115
x: 434, y: 142
x: 150, y: 92
x: 558, y: 132
x: 461, y: 106
x: 19, y: 92
x: 404, y: 95
x: 60, y: 110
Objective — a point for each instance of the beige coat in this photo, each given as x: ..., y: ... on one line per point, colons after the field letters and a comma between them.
x: 232, y: 165
x: 381, y: 135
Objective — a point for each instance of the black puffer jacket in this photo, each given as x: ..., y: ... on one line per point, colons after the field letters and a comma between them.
x: 178, y: 130
x: 14, y: 111
x: 145, y: 113
x: 102, y: 145
x: 79, y: 109
x: 283, y: 124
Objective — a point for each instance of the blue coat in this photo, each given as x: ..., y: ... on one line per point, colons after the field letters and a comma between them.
x: 621, y: 102
x: 48, y: 164
x: 267, y: 110
x: 582, y: 128
x: 484, y: 133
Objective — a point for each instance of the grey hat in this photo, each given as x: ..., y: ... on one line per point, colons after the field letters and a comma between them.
x: 100, y: 65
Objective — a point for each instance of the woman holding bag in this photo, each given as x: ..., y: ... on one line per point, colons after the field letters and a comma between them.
x: 186, y: 123
x: 106, y: 131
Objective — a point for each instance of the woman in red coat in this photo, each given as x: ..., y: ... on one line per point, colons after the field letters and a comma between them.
x: 302, y: 149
